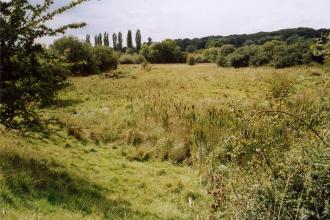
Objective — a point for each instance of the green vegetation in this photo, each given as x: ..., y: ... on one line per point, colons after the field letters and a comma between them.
x: 321, y: 49
x: 82, y: 57
x: 79, y: 54
x: 209, y: 55
x: 30, y: 77
x: 277, y: 54
x: 164, y: 52
x: 278, y: 49
x: 129, y: 39
x: 120, y: 42
x: 60, y: 177
x: 138, y: 40
x: 105, y: 57
x: 224, y: 123
x: 287, y: 35
x: 114, y: 41
x: 191, y: 60
x: 131, y: 59
x: 161, y: 141
x: 98, y: 39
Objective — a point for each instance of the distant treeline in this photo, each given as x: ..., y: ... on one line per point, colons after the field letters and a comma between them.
x: 287, y: 35
x: 279, y: 49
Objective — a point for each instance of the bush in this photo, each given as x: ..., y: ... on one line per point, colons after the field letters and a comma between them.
x: 321, y: 49
x: 257, y: 57
x: 291, y: 55
x: 252, y: 55
x: 146, y: 66
x: 106, y: 58
x: 166, y: 51
x: 280, y: 86
x: 191, y: 48
x: 129, y: 51
x: 131, y: 59
x: 30, y: 77
x: 206, y: 56
x: 224, y: 51
x: 306, y: 192
x: 239, y: 58
x: 199, y: 58
x: 191, y: 60
x: 275, y: 53
x: 211, y: 54
x: 79, y: 54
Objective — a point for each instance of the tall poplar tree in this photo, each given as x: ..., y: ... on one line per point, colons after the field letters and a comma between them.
x: 96, y: 42
x: 138, y: 40
x: 106, y: 39
x: 100, y: 39
x: 114, y: 41
x: 129, y: 39
x: 120, y: 41
x: 149, y: 41
x: 88, y: 38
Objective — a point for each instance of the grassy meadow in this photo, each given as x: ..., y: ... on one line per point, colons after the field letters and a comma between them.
x: 174, y: 142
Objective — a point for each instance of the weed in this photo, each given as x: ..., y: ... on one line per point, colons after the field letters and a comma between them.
x: 76, y: 133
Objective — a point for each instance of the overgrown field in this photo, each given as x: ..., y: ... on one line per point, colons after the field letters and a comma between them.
x: 141, y: 142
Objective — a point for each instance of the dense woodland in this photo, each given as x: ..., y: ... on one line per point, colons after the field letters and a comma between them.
x: 288, y: 35
x: 229, y: 141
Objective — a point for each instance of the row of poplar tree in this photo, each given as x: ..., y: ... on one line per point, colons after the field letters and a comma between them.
x: 117, y: 40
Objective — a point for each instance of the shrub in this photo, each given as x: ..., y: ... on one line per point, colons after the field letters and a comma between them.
x: 239, y: 58
x: 280, y: 86
x: 248, y: 56
x: 206, y: 56
x: 134, y: 138
x: 166, y: 51
x: 131, y: 59
x: 191, y: 60
x: 76, y: 132
x: 211, y: 54
x: 79, y: 54
x: 30, y: 77
x: 272, y: 47
x: 146, y: 66
x: 129, y: 50
x: 141, y: 154
x: 291, y: 55
x: 281, y: 58
x: 191, y: 48
x: 306, y: 192
x: 224, y: 51
x: 257, y: 57
x: 105, y: 57
x: 275, y: 53
x: 199, y: 58
x: 321, y: 49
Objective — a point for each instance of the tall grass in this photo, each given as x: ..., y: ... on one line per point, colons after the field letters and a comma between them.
x: 255, y: 161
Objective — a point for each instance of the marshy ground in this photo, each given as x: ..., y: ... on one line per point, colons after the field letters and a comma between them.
x: 139, y: 145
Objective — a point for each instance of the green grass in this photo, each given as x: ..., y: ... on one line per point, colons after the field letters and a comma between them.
x: 138, y: 147
x: 60, y: 175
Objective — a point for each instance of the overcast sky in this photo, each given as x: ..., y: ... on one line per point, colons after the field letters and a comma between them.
x: 160, y: 19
